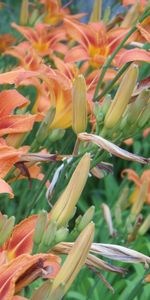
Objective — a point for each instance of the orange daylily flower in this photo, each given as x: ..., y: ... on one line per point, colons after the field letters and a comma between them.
x: 132, y: 175
x: 96, y: 44
x: 43, y: 38
x: 6, y: 40
x: 27, y: 56
x: 18, y: 267
x: 23, y: 270
x: 54, y: 13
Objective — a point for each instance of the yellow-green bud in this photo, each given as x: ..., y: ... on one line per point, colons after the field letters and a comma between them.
x: 96, y: 13
x: 6, y: 230
x: 122, y: 97
x: 24, y: 13
x: 79, y: 105
x: 40, y: 227
x: 145, y: 226
x: 86, y: 219
x: 43, y: 131
x: 61, y: 234
x: 65, y: 205
x: 49, y: 234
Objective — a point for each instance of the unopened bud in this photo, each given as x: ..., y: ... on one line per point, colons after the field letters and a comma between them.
x: 136, y: 107
x: 43, y: 131
x: 108, y: 219
x: 79, y: 105
x: 24, y: 13
x: 144, y: 119
x: 40, y: 227
x: 49, y: 234
x: 56, y: 134
x: 101, y: 110
x: 96, y: 13
x: 75, y: 260
x: 64, y: 207
x: 145, y: 226
x: 61, y: 234
x: 3, y: 219
x: 86, y: 219
x: 122, y: 97
x: 132, y: 15
x: 6, y: 230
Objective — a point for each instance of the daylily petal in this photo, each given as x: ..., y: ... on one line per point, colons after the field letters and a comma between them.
x: 9, y: 100
x: 12, y: 77
x: 5, y: 188
x: 16, y: 124
x: 8, y: 157
x: 21, y: 240
x: 135, y: 54
x: 77, y: 53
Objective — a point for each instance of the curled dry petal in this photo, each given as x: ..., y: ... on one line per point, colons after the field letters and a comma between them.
x: 120, y: 253
x: 112, y: 148
x: 39, y: 157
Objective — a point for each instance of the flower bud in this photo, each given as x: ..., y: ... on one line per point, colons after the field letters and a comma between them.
x: 136, y: 107
x: 96, y: 13
x: 6, y: 230
x: 145, y: 226
x: 40, y: 227
x: 79, y: 105
x: 24, y: 13
x: 49, y: 234
x: 86, y: 218
x: 56, y: 134
x: 43, y: 131
x: 145, y: 117
x: 122, y: 97
x: 64, y: 207
x: 61, y: 235
x: 75, y: 260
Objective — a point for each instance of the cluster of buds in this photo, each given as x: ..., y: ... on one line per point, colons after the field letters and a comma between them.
x: 53, y: 228
x: 120, y: 118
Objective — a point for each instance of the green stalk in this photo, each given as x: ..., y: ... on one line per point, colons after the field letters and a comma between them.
x: 110, y: 58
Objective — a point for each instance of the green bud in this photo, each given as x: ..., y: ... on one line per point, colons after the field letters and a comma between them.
x: 56, y: 134
x: 86, y: 219
x: 106, y: 103
x: 49, y: 234
x: 40, y: 227
x: 145, y: 117
x: 34, y: 16
x: 3, y: 219
x: 136, y: 107
x: 44, y: 127
x: 145, y: 226
x: 6, y: 230
x: 61, y: 234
